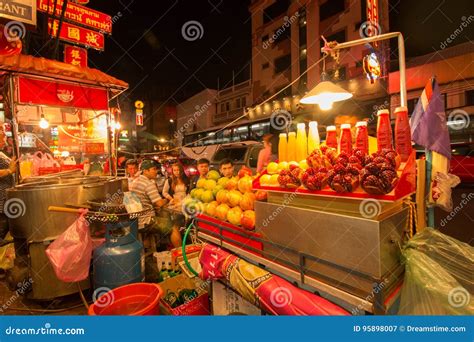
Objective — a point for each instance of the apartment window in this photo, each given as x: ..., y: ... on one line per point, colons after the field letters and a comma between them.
x: 470, y: 98
x: 243, y: 101
x: 237, y: 103
x: 281, y: 34
x: 222, y: 107
x: 265, y: 65
x: 339, y: 37
x: 273, y: 11
x: 282, y: 63
x: 302, y: 26
x: 227, y: 106
x: 330, y: 8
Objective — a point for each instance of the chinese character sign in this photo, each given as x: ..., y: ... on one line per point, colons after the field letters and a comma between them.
x: 75, y: 55
x: 76, y: 34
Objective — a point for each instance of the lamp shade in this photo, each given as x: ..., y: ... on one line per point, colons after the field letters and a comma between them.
x: 324, y: 94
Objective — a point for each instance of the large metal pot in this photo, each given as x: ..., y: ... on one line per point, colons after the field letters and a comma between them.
x: 31, y: 219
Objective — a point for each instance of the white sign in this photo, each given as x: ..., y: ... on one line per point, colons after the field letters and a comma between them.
x: 19, y: 10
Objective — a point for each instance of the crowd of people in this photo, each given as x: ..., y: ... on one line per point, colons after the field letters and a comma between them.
x: 165, y: 195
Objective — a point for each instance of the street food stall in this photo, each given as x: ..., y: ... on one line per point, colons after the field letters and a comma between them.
x: 62, y: 128
x: 60, y: 114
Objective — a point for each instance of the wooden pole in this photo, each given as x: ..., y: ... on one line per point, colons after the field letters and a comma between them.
x: 420, y: 194
x: 429, y: 165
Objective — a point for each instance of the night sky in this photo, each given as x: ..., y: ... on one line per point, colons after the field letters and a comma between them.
x: 147, y: 48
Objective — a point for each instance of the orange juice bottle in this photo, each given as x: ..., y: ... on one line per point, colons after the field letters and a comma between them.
x: 291, y: 148
x: 301, y: 142
x: 313, y: 136
x: 282, y: 148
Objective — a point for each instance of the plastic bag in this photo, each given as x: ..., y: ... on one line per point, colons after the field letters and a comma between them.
x: 132, y: 202
x: 441, y: 190
x: 438, y: 276
x: 70, y: 254
x: 7, y: 254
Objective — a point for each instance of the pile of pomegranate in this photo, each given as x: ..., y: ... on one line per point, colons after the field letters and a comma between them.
x: 375, y: 173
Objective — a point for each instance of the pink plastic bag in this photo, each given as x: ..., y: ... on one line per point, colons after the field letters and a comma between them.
x: 70, y: 254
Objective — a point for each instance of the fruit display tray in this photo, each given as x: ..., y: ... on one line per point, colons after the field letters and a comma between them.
x: 405, y: 186
x: 224, y: 231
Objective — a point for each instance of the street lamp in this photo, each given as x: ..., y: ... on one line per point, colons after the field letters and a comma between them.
x: 171, y: 120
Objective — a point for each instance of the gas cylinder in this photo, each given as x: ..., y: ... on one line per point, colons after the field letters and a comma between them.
x: 119, y: 261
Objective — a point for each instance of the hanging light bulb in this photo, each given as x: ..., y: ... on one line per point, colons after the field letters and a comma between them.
x: 43, y: 122
x: 325, y: 94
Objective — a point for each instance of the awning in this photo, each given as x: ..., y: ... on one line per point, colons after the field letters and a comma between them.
x: 62, y: 71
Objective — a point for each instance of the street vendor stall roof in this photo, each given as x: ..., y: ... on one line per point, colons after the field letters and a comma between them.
x: 45, y: 67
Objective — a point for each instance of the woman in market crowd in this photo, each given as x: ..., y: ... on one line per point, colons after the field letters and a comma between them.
x: 7, y: 169
x: 226, y: 168
x: 203, y: 169
x: 265, y: 155
x: 176, y: 187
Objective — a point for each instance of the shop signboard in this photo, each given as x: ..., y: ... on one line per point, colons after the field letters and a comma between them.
x: 19, y: 10
x: 94, y: 148
x: 75, y: 34
x: 75, y: 55
x: 78, y: 14
x: 32, y: 91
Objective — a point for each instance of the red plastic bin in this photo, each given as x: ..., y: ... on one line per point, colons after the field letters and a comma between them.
x: 138, y: 299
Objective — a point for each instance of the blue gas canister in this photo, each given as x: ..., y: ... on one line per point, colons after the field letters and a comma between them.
x: 119, y: 261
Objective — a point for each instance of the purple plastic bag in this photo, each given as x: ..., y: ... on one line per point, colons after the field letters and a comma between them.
x: 70, y: 254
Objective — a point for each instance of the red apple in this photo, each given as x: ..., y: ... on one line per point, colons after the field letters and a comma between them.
x: 261, y: 195
x: 248, y: 219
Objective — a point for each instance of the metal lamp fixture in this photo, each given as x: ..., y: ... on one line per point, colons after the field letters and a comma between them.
x: 325, y: 94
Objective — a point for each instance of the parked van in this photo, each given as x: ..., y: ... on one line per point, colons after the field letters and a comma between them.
x: 243, y: 153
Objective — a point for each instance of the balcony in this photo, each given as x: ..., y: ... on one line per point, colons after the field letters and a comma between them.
x: 227, y: 116
x: 239, y: 87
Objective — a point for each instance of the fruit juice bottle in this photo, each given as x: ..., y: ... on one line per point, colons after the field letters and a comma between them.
x: 362, y: 137
x: 402, y: 133
x: 282, y: 148
x: 291, y: 154
x: 384, y: 130
x: 331, y: 136
x: 345, y: 140
x: 301, y: 142
x: 313, y: 137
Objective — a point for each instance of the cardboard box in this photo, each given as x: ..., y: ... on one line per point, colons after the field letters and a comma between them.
x: 199, y: 306
x: 226, y: 302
